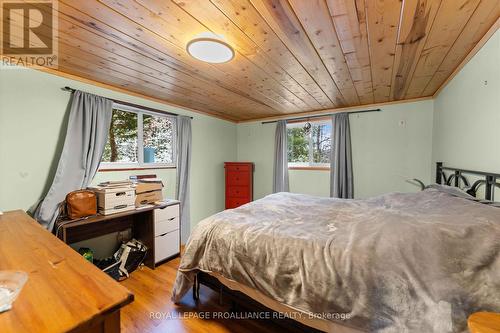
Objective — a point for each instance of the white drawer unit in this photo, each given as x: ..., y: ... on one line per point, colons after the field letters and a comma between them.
x: 167, y: 245
x: 166, y: 213
x: 164, y: 226
x: 167, y: 232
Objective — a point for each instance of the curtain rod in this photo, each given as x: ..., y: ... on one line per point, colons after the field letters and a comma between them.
x: 321, y: 115
x: 72, y: 90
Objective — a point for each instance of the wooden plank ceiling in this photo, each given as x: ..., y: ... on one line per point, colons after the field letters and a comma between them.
x: 291, y: 55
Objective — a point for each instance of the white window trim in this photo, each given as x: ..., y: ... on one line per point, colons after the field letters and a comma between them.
x: 308, y: 164
x: 140, y: 144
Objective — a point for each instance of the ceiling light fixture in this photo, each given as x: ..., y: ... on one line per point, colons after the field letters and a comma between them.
x: 211, y: 48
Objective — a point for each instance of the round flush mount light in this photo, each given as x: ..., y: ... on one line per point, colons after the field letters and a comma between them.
x: 209, y: 47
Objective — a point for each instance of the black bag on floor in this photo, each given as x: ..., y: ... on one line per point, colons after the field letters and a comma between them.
x: 130, y: 255
x: 109, y: 266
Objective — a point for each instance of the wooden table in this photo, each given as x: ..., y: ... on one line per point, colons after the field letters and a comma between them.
x: 64, y: 292
x: 484, y: 322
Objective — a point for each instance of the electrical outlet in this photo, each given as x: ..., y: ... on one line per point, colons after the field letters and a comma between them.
x: 402, y: 123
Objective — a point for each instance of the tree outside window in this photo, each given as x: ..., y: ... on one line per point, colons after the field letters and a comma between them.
x: 309, y: 147
x: 158, y: 139
x: 122, y: 138
x: 138, y: 139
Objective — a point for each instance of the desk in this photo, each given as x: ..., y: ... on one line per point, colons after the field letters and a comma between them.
x: 64, y: 292
x: 141, y: 221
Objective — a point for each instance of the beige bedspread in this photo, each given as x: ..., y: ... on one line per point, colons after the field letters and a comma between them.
x: 414, y: 262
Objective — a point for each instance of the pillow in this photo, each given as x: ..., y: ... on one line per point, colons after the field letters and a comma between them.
x: 456, y: 192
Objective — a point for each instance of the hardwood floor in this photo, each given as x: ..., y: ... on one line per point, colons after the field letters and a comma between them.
x: 153, y: 311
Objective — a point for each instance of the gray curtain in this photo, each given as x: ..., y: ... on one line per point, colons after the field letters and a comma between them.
x: 280, y: 170
x: 183, y: 166
x: 341, y: 181
x: 86, y: 136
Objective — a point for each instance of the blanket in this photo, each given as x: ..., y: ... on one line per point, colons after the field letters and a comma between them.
x: 399, y: 262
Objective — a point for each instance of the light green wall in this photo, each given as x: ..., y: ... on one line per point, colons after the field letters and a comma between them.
x: 460, y: 127
x: 256, y: 144
x: 385, y: 152
x: 467, y: 114
x: 33, y: 117
x: 463, y: 131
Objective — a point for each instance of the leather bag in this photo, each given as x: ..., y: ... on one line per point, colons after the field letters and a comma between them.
x: 81, y: 203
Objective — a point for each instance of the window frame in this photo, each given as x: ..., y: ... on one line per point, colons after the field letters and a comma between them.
x: 308, y: 165
x: 111, y: 166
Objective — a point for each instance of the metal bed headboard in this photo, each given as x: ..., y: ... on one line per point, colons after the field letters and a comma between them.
x: 457, y: 176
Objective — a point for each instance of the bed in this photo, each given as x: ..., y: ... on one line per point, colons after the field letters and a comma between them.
x: 399, y: 262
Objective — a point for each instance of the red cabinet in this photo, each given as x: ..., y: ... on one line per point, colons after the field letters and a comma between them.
x: 239, y: 183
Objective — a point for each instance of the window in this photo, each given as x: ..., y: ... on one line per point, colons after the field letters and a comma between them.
x: 309, y: 144
x: 139, y: 139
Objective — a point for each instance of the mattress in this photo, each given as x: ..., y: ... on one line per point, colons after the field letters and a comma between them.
x: 305, y: 318
x: 400, y: 262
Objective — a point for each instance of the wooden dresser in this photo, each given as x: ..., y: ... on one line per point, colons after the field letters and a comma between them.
x: 64, y: 292
x: 239, y: 183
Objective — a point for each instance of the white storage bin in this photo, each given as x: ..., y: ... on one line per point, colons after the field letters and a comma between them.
x: 115, y: 200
